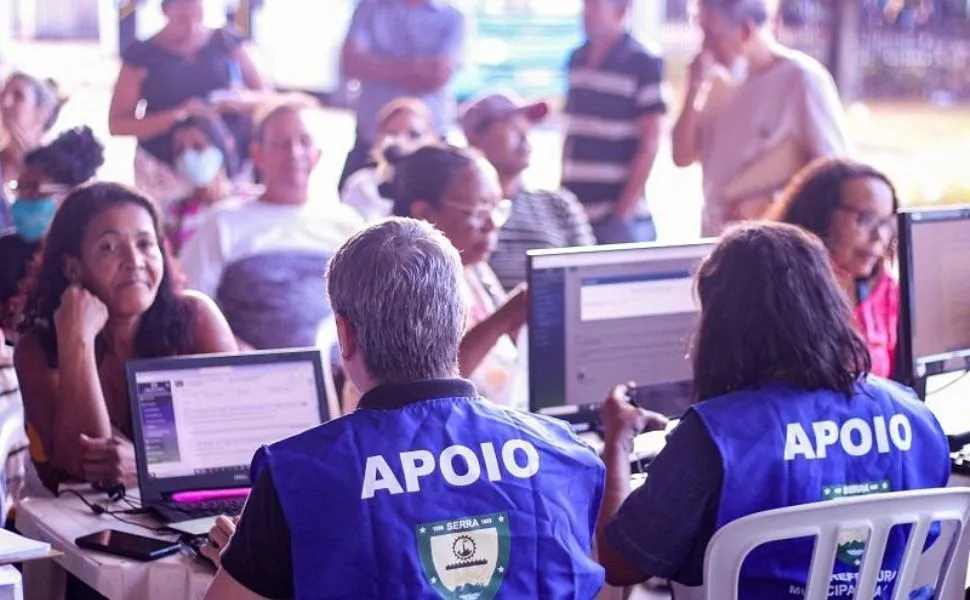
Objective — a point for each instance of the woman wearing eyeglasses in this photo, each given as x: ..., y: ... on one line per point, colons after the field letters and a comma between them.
x: 459, y: 193
x: 48, y: 174
x: 852, y: 208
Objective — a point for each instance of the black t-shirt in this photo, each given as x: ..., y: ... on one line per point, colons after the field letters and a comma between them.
x: 258, y: 555
x: 15, y: 256
x: 664, y: 527
x: 172, y: 79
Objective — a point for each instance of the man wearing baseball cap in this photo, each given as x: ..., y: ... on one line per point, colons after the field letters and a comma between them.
x: 499, y: 125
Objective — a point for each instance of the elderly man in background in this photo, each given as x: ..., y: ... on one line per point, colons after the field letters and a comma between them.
x: 754, y: 114
x: 261, y: 260
x: 499, y: 127
x: 614, y: 111
x: 400, y: 48
x: 425, y: 488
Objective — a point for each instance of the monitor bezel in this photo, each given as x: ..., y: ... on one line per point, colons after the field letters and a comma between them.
x: 907, y: 218
x: 696, y: 249
x: 157, y: 489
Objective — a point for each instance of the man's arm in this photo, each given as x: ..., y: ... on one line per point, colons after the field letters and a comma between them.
x: 224, y: 587
x: 823, y: 118
x: 648, y: 143
x: 258, y: 561
x: 650, y: 108
x: 420, y: 75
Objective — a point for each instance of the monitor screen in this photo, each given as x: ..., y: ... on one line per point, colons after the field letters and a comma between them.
x: 202, y: 420
x: 599, y: 317
x: 935, y: 289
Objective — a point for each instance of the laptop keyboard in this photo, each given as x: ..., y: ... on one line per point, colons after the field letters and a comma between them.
x: 208, y: 508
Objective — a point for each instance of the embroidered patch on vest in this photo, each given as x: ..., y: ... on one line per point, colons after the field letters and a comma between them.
x: 852, y: 542
x: 465, y: 558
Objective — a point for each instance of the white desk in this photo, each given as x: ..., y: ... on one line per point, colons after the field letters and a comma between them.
x: 62, y: 520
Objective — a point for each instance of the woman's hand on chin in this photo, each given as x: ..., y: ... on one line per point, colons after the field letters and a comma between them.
x: 81, y: 315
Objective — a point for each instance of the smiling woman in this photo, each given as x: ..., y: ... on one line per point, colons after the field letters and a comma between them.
x: 104, y: 293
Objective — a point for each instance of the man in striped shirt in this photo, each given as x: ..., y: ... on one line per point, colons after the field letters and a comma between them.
x: 499, y: 127
x: 615, y: 112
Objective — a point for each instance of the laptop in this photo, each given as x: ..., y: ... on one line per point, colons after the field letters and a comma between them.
x: 198, y: 420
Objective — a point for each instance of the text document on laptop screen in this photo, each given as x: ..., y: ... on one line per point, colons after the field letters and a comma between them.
x: 606, y: 316
x: 213, y: 419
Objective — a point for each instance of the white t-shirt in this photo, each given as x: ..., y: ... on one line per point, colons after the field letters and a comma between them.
x: 235, y: 231
x: 361, y: 193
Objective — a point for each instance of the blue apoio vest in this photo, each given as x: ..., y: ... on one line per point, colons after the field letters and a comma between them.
x: 449, y: 498
x: 784, y: 446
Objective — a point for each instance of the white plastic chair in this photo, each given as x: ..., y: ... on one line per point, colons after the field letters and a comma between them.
x: 326, y: 342
x: 824, y: 520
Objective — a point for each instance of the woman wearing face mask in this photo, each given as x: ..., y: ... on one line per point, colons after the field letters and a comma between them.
x: 460, y: 194
x: 754, y: 114
x: 186, y: 69
x: 404, y: 123
x: 104, y: 293
x: 48, y: 174
x: 204, y: 156
x: 852, y: 208
x: 28, y: 109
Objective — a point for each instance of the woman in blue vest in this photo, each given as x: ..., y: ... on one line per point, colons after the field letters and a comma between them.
x: 786, y: 414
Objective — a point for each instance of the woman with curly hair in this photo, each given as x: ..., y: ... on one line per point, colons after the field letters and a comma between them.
x: 852, y: 208
x: 49, y: 174
x: 104, y: 293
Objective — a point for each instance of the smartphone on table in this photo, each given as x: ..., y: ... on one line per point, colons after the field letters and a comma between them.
x: 129, y: 545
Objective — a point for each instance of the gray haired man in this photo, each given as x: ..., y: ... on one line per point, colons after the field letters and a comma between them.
x: 425, y: 489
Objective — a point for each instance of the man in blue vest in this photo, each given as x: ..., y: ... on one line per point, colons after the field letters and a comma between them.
x: 786, y: 415
x: 426, y: 490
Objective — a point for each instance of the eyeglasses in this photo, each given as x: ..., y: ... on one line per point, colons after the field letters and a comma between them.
x: 868, y: 222
x: 478, y: 217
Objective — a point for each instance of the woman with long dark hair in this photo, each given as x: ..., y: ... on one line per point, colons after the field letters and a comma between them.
x: 786, y: 414
x: 104, y: 292
x: 852, y: 208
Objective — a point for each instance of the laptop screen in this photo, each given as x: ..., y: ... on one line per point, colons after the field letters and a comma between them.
x: 207, y: 416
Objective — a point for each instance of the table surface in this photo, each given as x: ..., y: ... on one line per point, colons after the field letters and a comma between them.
x: 62, y: 520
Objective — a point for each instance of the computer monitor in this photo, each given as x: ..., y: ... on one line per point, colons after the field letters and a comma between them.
x: 198, y: 420
x: 606, y: 315
x: 934, y: 268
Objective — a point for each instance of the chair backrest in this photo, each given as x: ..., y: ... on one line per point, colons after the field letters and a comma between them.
x: 326, y: 342
x: 877, y: 513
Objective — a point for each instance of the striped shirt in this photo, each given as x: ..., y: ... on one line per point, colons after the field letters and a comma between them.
x: 539, y: 220
x: 603, y: 105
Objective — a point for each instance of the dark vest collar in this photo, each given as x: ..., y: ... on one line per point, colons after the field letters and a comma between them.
x: 397, y: 395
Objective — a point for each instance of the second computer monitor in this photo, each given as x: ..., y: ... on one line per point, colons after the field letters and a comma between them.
x: 602, y: 316
x: 934, y: 265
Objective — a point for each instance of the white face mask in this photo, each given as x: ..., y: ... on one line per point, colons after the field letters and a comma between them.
x: 200, y: 168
